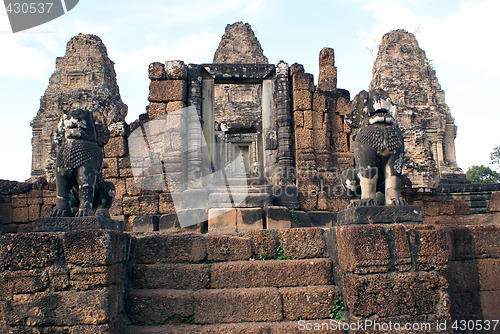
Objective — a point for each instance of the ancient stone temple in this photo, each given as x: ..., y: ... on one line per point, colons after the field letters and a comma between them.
x: 84, y: 78
x: 403, y: 70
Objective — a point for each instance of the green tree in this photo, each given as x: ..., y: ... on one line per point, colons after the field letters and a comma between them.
x: 495, y: 156
x: 482, y: 174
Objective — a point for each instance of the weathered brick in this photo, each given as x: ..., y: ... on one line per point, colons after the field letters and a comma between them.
x: 276, y: 273
x: 327, y: 80
x: 96, y: 277
x: 222, y: 219
x: 167, y: 247
x: 92, y: 248
x: 302, y: 100
x: 303, y: 81
x: 171, y: 276
x: 490, y: 304
x: 494, y: 202
x: 28, y: 251
x: 156, y: 71
x: 175, y: 70
x: 20, y: 214
x: 417, y: 293
x: 249, y: 219
x: 302, y: 243
x: 148, y: 205
x: 363, y: 249
x: 109, y: 168
x: 311, y: 302
x: 462, y: 276
x: 116, y: 147
x: 237, y: 305
x: 489, y: 273
x: 23, y: 281
x: 95, y: 307
x: 226, y: 247
x: 155, y: 307
x: 432, y: 245
x: 167, y: 90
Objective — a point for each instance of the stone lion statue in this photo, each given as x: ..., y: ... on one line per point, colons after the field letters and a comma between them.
x: 81, y: 190
x: 378, y: 150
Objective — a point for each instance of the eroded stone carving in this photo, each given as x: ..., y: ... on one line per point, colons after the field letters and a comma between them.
x: 81, y: 190
x: 378, y: 149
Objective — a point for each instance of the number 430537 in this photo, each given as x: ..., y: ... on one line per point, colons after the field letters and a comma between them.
x: 475, y: 325
x: 31, y: 8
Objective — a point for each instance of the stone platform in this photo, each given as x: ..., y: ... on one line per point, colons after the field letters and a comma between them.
x: 380, y: 215
x: 65, y: 224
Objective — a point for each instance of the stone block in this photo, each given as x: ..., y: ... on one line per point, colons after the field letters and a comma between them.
x: 278, y: 217
x: 363, y: 249
x: 249, y: 219
x: 302, y: 243
x: 131, y: 187
x: 175, y: 70
x: 343, y: 106
x: 379, y: 215
x: 494, y: 202
x: 275, y: 273
x: 28, y: 251
x: 489, y: 273
x: 148, y: 223
x: 167, y: 91
x: 264, y: 243
x: 311, y: 302
x: 465, y: 305
x: 87, y: 278
x: 237, y: 305
x: 298, y: 117
x: 286, y: 195
x: 308, y: 119
x: 227, y: 247
x: 124, y: 167
x: 110, y: 168
x: 308, y: 200
x: 167, y: 247
x: 93, y: 248
x: 116, y: 147
x: 222, y: 219
x: 326, y: 57
x: 165, y: 203
x: 156, y: 109
x: 168, y: 222
x: 462, y: 276
x: 432, y: 246
x: 20, y: 214
x: 171, y: 276
x: 191, y: 217
x: 95, y: 307
x: 417, y: 294
x: 322, y: 218
x: 6, y: 212
x: 19, y: 201
x: 175, y: 106
x: 401, y: 247
x: 485, y: 241
x: 327, y: 80
x: 195, y: 198
x: 148, y: 205
x: 490, y: 304
x: 156, y: 307
x: 33, y: 212
x: 156, y: 71
x: 303, y: 81
x: 302, y: 100
x: 130, y: 205
x: 22, y: 282
x: 64, y: 224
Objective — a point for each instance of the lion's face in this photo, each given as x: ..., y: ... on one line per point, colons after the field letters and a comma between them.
x: 78, y: 125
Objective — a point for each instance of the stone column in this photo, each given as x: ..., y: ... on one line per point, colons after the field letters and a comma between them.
x: 449, y: 145
x: 284, y: 121
x: 194, y: 100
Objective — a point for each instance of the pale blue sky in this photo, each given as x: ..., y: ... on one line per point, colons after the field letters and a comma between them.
x: 459, y: 36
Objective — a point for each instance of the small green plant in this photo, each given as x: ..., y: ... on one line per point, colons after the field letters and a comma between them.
x: 263, y: 256
x: 429, y: 64
x: 295, y: 218
x: 133, y: 211
x: 270, y: 234
x: 281, y: 254
x: 335, y: 311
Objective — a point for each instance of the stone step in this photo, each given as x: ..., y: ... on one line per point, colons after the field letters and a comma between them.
x: 233, y: 274
x: 324, y: 326
x: 190, y: 247
x: 213, y: 306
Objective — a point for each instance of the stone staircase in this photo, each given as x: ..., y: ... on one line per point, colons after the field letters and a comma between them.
x: 252, y: 282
